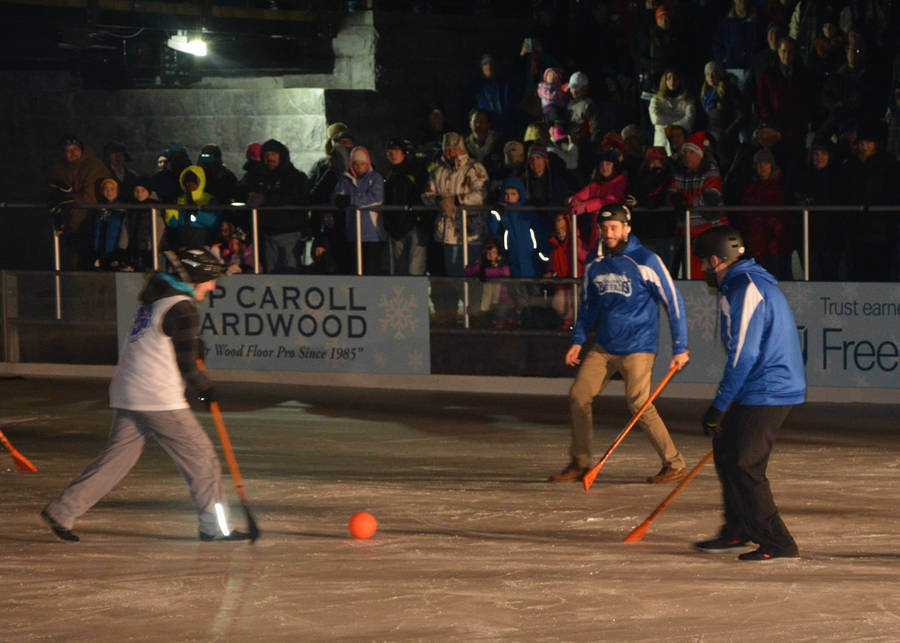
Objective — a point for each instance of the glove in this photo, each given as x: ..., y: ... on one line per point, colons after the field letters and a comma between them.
x: 712, y: 420
x: 207, y: 396
x: 447, y: 206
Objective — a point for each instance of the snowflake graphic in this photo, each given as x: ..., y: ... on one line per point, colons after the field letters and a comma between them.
x: 416, y: 360
x: 399, y: 313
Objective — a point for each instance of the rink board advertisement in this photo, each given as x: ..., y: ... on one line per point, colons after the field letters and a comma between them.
x: 311, y: 324
x: 849, y: 333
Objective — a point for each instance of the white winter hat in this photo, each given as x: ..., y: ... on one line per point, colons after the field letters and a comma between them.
x: 578, y: 80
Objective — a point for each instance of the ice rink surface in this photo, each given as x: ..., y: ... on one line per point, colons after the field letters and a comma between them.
x: 472, y: 544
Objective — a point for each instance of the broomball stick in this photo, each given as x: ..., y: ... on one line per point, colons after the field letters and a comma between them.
x: 252, y: 528
x: 589, y: 477
x: 641, y: 530
x: 22, y: 463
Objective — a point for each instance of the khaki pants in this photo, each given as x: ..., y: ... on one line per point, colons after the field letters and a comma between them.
x: 596, y: 369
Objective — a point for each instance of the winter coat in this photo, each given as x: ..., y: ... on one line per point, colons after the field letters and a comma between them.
x: 489, y: 154
x: 651, y: 190
x: 108, y: 224
x: 661, y: 50
x: 696, y: 189
x: 402, y: 186
x: 220, y: 181
x: 79, y: 180
x: 621, y: 295
x: 873, y: 182
x: 465, y: 180
x: 764, y: 366
x: 767, y: 234
x: 492, y: 95
x: 284, y: 185
x: 196, y: 218
x: 560, y: 265
x: 365, y: 190
x: 674, y: 110
x: 792, y: 101
x: 518, y: 230
x: 736, y: 39
x: 725, y: 115
x: 584, y: 121
x: 591, y: 199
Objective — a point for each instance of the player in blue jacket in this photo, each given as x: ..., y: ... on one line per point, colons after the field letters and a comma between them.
x: 764, y: 378
x: 623, y: 289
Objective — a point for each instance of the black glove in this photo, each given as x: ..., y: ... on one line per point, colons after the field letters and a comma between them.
x: 207, y: 396
x: 712, y: 421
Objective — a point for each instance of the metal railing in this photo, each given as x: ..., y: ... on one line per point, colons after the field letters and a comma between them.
x: 156, y: 209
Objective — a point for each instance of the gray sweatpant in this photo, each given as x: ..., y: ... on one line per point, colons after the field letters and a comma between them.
x: 179, y: 434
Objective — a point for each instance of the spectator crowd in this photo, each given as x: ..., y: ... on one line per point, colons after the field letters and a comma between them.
x: 665, y: 106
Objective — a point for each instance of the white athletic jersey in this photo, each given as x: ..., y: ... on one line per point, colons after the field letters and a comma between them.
x: 147, y: 377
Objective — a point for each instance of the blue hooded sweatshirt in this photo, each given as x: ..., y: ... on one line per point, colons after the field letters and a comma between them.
x: 765, y: 364
x: 621, y: 294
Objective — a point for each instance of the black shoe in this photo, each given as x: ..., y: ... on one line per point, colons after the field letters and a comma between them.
x: 233, y: 535
x: 58, y: 530
x: 765, y: 555
x: 720, y: 545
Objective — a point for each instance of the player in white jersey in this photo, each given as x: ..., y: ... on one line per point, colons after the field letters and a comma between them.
x: 147, y: 395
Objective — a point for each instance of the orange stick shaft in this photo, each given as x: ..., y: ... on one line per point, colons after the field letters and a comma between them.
x: 639, y: 532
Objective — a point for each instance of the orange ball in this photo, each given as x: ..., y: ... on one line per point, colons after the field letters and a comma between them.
x: 362, y: 525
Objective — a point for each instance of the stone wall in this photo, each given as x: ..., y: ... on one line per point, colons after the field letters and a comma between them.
x: 388, y: 67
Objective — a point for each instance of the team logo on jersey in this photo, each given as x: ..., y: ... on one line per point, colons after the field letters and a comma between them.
x: 141, y: 323
x: 610, y: 283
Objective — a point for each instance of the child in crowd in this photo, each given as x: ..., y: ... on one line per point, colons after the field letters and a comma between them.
x: 495, y: 306
x: 518, y: 230
x: 140, y: 247
x: 560, y: 267
x: 237, y: 253
x: 109, y: 222
x: 553, y: 102
x: 195, y: 225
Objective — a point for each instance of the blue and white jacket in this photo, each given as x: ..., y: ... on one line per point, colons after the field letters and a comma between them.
x: 621, y: 295
x: 765, y: 365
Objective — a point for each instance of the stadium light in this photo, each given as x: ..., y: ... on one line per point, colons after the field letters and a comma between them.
x: 180, y: 42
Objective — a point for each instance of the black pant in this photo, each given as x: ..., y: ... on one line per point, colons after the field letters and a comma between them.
x: 741, y: 451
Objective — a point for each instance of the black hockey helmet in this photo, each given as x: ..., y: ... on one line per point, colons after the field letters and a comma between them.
x: 723, y: 241
x: 200, y: 265
x: 615, y: 212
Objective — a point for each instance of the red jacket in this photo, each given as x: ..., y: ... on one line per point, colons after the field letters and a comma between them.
x: 767, y: 234
x: 561, y: 258
x: 590, y: 199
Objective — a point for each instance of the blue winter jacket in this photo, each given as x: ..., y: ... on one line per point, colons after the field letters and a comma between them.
x: 518, y: 231
x: 765, y: 365
x: 735, y: 40
x: 364, y: 191
x: 621, y: 295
